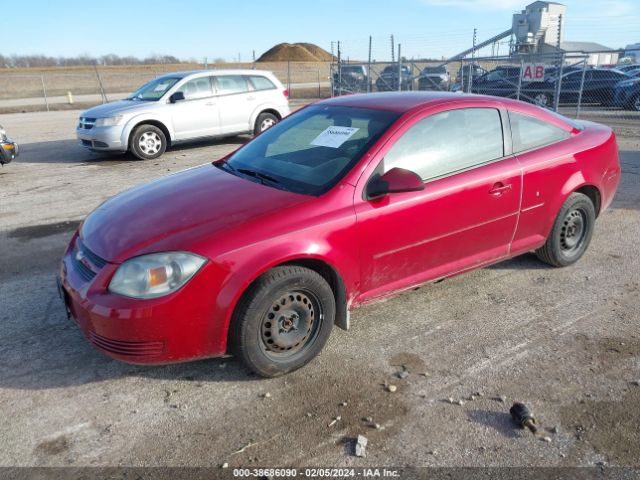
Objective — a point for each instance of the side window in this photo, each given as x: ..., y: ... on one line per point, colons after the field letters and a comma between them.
x: 261, y: 83
x: 447, y: 142
x: 228, y: 84
x: 529, y: 132
x: 197, y: 88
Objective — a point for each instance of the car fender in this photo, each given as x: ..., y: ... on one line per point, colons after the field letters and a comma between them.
x: 142, y: 118
x: 259, y: 260
x: 261, y: 108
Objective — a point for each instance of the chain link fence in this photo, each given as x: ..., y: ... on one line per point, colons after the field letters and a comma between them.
x: 574, y: 83
x: 54, y: 89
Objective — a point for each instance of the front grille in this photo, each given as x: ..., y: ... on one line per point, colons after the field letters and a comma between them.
x: 86, y: 123
x: 128, y: 349
x: 86, y: 263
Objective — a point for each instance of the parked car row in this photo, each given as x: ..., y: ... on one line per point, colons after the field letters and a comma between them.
x: 602, y: 86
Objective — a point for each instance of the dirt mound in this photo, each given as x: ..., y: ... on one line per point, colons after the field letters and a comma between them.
x: 295, y: 52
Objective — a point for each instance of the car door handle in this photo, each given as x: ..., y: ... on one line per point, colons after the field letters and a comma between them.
x: 250, y: 99
x: 499, y: 188
x: 210, y: 104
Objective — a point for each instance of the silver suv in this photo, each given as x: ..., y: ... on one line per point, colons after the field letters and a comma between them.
x: 184, y: 106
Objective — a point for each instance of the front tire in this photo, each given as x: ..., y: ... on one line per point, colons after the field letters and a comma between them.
x: 543, y: 100
x: 264, y: 122
x: 148, y: 142
x: 571, y: 232
x: 282, y: 321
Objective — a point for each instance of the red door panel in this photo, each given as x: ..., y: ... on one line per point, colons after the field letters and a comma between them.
x: 456, y: 222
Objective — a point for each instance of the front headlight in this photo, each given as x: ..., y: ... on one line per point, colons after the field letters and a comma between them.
x: 155, y: 275
x: 108, y: 121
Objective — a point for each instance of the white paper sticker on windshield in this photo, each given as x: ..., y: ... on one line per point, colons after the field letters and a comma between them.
x: 334, y: 136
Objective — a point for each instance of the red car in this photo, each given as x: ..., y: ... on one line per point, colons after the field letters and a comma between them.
x: 344, y: 202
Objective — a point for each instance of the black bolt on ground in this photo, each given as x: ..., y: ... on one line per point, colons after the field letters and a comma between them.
x: 523, y: 417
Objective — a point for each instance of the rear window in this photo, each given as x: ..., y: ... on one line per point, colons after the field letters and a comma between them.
x: 227, y: 84
x: 261, y: 83
x: 529, y: 132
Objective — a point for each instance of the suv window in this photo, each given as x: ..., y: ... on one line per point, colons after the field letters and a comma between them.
x: 448, y: 142
x: 261, y: 83
x: 528, y: 132
x: 197, y: 88
x: 227, y: 84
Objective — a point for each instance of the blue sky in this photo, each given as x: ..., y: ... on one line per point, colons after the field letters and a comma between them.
x: 199, y: 28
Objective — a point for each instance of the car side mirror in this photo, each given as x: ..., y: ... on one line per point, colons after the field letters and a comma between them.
x: 176, y: 97
x: 395, y: 180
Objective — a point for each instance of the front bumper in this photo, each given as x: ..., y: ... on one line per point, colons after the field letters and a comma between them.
x: 178, y: 327
x: 9, y: 150
x: 102, y: 138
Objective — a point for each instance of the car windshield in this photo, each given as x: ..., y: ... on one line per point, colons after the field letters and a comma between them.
x: 312, y: 150
x: 431, y: 70
x: 154, y: 90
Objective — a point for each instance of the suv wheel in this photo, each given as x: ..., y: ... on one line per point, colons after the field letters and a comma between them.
x: 148, y: 142
x: 542, y: 99
x: 264, y: 122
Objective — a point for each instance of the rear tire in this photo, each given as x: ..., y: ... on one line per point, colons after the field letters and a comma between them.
x: 282, y: 321
x: 147, y: 142
x: 543, y: 100
x: 264, y: 122
x: 571, y: 232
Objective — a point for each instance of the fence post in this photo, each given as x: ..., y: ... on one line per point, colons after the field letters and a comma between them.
x: 339, y: 70
x: 520, y: 79
x: 556, y: 102
x: 399, y: 67
x: 369, y: 68
x: 44, y: 92
x: 104, y: 95
x: 289, y: 77
x: 584, y: 71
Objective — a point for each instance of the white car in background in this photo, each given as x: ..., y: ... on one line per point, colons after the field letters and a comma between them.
x: 183, y: 106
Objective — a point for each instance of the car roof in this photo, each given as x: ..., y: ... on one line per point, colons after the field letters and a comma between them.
x: 404, y: 102
x: 401, y: 101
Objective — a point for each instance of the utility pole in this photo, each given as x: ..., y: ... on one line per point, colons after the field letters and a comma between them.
x: 392, y: 51
x: 369, y: 68
x: 399, y: 67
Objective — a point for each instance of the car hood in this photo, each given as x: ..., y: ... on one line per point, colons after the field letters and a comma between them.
x: 115, y: 108
x: 178, y: 211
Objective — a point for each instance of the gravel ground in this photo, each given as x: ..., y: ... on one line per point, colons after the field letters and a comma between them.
x: 564, y: 341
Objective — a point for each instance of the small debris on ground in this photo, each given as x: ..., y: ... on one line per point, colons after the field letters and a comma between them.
x: 546, y: 439
x: 523, y: 417
x: 361, y: 446
x: 224, y: 465
x: 501, y: 399
x: 367, y: 419
x: 402, y: 374
x: 451, y: 400
x: 554, y: 429
x: 459, y: 402
x: 266, y: 395
x: 391, y: 388
x: 636, y: 383
x: 334, y: 421
x: 343, y: 404
x: 309, y: 414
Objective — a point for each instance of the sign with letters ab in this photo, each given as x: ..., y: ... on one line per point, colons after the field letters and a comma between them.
x: 532, y: 71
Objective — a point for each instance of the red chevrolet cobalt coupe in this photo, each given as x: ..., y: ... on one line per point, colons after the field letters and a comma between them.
x: 344, y: 202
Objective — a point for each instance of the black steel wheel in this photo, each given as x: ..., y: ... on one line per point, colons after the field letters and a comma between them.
x: 571, y: 232
x: 283, y: 320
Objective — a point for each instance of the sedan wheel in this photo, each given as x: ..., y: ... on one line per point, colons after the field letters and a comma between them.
x: 542, y: 99
x: 148, y: 142
x: 283, y: 320
x: 571, y: 232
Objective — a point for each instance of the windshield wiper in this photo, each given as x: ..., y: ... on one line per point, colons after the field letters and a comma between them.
x: 259, y: 175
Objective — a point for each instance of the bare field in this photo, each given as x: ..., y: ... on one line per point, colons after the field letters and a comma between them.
x: 565, y: 341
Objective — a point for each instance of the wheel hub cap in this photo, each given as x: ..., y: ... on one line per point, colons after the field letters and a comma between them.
x: 573, y: 230
x: 290, y: 323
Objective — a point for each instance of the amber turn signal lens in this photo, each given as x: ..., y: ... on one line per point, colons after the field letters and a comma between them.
x: 157, y: 276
